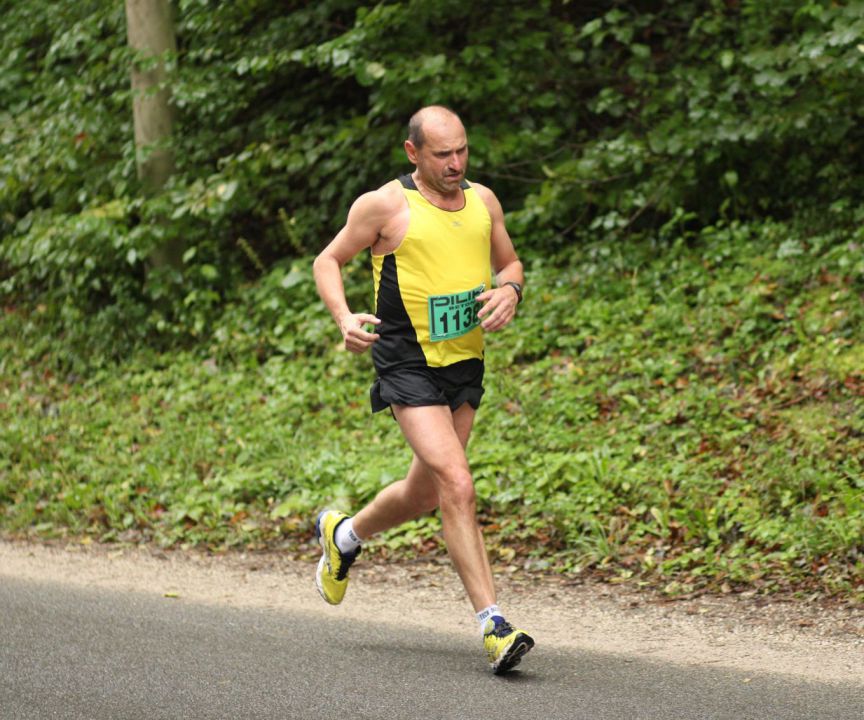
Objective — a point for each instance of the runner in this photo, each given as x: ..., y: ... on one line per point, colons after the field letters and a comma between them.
x: 435, y: 239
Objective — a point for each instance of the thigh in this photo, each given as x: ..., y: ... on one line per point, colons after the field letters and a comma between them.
x: 436, y: 434
x: 463, y: 421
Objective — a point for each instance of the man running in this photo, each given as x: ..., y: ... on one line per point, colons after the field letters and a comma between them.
x: 435, y: 240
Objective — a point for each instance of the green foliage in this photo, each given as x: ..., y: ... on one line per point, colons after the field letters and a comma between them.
x: 685, y: 412
x: 694, y: 412
x: 735, y: 111
x: 586, y: 120
x: 680, y: 398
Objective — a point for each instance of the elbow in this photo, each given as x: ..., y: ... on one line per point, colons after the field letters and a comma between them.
x: 319, y: 264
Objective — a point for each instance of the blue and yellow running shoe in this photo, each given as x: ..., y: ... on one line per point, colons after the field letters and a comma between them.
x: 505, y: 646
x: 332, y: 574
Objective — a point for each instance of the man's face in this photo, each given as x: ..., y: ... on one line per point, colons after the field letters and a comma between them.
x: 442, y: 160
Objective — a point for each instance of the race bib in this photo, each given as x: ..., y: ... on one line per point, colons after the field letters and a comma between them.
x: 453, y: 315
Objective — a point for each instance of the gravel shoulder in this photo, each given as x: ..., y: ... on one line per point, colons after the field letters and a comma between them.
x: 809, y: 640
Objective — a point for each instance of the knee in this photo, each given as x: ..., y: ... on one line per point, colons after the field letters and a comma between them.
x: 456, y: 489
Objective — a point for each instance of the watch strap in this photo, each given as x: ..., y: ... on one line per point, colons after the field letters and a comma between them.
x: 517, y: 287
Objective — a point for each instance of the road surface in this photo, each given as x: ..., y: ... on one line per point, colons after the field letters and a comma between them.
x: 73, y: 650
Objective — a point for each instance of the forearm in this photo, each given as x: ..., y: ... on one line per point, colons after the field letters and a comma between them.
x: 327, y: 271
x: 511, y: 272
x: 328, y: 281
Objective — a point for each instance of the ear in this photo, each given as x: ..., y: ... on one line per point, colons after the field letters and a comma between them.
x: 411, y: 152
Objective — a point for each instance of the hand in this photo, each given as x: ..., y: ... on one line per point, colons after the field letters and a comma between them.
x: 357, y: 340
x: 499, y: 307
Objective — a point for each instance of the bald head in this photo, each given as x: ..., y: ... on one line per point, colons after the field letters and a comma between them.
x: 438, y: 146
x: 431, y: 114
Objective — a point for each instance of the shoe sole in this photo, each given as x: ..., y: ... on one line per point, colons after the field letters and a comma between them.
x: 319, y: 536
x: 513, y: 655
x: 321, y: 563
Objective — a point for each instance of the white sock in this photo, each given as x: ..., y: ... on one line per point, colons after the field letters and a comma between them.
x: 346, y: 540
x: 487, y: 613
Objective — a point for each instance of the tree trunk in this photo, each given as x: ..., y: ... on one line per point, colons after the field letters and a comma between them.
x: 150, y: 30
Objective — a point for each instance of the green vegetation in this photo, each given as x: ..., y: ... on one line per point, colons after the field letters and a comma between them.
x: 681, y: 401
x: 671, y: 412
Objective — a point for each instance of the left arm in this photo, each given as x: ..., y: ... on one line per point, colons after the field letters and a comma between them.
x: 499, y: 304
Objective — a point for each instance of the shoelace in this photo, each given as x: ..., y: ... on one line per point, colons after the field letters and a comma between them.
x: 502, y: 629
x: 347, y: 560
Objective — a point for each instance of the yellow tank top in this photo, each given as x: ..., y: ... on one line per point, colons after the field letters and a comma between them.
x: 424, y: 290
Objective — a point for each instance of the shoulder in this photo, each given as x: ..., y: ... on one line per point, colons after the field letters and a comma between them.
x: 380, y: 204
x: 488, y: 198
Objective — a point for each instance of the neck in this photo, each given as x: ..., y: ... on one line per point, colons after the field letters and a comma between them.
x: 446, y: 200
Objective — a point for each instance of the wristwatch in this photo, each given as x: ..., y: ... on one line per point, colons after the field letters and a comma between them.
x: 518, y: 288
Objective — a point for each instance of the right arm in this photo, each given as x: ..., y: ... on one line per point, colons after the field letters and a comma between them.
x: 365, y: 220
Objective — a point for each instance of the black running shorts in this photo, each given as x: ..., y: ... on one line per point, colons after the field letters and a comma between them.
x: 452, y: 385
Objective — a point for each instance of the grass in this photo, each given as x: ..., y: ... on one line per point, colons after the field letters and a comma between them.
x: 684, y: 412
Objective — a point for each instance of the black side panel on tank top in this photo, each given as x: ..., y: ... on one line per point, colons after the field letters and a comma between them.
x: 398, y: 344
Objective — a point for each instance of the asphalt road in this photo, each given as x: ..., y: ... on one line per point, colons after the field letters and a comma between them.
x: 74, y: 654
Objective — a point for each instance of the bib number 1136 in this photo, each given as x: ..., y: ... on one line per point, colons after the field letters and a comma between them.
x: 451, y: 316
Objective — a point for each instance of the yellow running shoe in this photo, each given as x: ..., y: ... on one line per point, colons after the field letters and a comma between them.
x: 332, y: 574
x: 504, y: 645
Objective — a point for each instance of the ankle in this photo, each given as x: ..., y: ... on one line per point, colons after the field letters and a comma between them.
x: 486, y: 614
x: 346, y: 539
